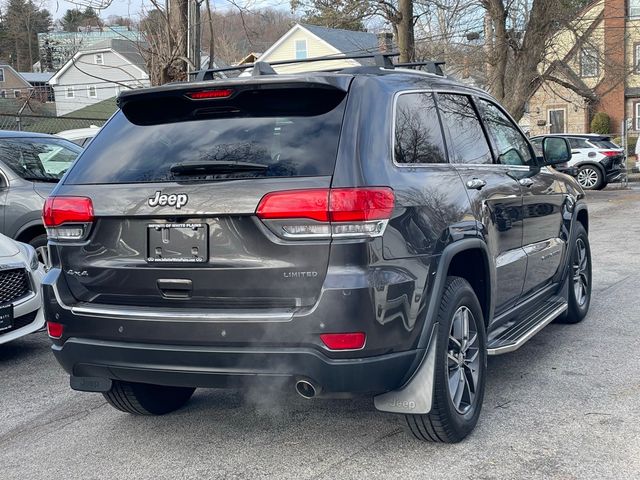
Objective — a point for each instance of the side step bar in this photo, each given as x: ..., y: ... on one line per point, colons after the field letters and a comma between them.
x: 518, y: 333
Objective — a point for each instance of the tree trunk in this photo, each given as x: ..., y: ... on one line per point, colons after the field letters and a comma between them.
x: 406, y: 41
x: 178, y: 19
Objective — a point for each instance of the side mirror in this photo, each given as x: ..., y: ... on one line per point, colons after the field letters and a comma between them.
x: 556, y: 150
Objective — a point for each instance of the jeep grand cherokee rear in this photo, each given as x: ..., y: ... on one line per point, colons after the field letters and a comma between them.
x: 198, y: 242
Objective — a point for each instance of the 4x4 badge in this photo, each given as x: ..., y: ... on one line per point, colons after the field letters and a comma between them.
x: 177, y: 200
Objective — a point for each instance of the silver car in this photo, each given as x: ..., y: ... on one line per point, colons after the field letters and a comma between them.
x: 20, y: 299
x: 30, y: 166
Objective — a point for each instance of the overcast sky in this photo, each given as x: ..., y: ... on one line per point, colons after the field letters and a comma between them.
x: 132, y: 8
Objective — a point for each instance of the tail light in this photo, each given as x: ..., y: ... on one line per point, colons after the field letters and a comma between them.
x: 328, y: 213
x: 610, y: 153
x: 67, y: 218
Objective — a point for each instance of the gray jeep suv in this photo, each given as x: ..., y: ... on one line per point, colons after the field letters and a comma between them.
x: 30, y: 166
x: 374, y: 230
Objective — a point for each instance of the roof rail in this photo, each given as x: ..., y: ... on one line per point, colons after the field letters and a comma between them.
x: 263, y: 68
x: 433, y: 66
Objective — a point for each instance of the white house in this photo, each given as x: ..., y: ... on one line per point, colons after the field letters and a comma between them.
x: 98, y: 73
x: 308, y: 41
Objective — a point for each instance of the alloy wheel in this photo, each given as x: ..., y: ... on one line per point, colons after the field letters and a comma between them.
x: 580, y: 273
x: 463, y: 360
x: 588, y: 177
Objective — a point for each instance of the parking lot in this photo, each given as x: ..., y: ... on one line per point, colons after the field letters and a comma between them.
x: 563, y: 406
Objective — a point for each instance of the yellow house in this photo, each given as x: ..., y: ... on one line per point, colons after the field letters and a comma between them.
x: 309, y: 41
x: 591, y: 67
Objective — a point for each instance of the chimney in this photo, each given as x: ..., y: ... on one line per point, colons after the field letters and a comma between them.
x: 385, y: 42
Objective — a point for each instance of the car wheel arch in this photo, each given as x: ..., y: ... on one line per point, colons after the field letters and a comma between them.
x: 461, y: 250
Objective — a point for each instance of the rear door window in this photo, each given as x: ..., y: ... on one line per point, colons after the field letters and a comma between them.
x: 468, y: 142
x: 578, y: 143
x: 38, y: 159
x: 418, y: 135
x: 288, y: 135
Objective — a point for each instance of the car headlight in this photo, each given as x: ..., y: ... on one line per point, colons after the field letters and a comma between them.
x: 31, y: 256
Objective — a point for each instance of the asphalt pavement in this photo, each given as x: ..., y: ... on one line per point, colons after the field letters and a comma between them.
x: 566, y: 406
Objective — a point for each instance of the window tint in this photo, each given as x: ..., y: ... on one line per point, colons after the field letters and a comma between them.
x: 287, y: 133
x: 603, y: 144
x: 578, y: 142
x: 513, y: 148
x: 469, y: 144
x: 418, y: 136
x: 38, y: 159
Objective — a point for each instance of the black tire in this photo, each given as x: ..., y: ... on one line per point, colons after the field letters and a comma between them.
x: 145, y: 399
x: 446, y: 423
x: 40, y: 244
x: 578, y: 305
x: 590, y: 177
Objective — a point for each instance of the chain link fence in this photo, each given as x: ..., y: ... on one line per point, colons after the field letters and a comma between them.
x: 46, y: 124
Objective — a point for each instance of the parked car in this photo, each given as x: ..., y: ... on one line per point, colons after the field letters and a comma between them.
x: 597, y: 160
x: 374, y: 230
x: 80, y: 136
x: 30, y: 165
x: 20, y: 299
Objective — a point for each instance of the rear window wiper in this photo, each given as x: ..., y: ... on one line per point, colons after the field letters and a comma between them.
x: 215, y: 167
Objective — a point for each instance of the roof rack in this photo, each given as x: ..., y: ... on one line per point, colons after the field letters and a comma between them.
x: 263, y: 68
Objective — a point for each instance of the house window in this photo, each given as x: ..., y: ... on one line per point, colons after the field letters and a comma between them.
x: 589, y: 66
x: 1, y: 74
x: 636, y: 57
x: 98, y: 59
x: 637, y: 125
x: 92, y: 92
x: 16, y: 93
x: 69, y: 93
x: 301, y: 49
x: 634, y: 8
x: 3, y: 94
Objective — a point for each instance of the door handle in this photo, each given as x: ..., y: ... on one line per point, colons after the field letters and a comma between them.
x: 476, y: 184
x: 525, y: 182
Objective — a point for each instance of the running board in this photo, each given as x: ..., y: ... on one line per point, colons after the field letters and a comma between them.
x: 517, y: 334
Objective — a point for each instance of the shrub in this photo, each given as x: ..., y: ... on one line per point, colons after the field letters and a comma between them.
x: 601, y: 123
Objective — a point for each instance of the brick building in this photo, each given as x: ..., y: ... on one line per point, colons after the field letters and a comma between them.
x: 599, y: 56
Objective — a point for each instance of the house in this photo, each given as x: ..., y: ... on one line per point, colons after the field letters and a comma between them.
x: 56, y: 47
x: 97, y: 73
x: 308, y: 41
x: 596, y: 66
x: 12, y: 84
x: 40, y: 83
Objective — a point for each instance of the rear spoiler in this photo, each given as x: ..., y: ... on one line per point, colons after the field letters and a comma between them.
x: 198, y: 101
x: 179, y: 90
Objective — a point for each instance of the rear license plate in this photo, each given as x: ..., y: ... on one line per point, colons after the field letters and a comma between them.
x: 177, y: 243
x: 6, y: 318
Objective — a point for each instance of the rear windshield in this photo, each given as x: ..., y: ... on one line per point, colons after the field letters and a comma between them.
x: 604, y: 144
x: 278, y: 140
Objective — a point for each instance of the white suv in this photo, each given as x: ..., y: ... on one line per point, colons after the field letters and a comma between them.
x: 598, y: 161
x: 20, y: 300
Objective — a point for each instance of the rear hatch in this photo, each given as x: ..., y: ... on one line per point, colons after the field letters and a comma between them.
x: 174, y: 180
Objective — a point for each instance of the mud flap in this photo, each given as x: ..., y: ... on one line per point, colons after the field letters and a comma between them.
x: 416, y: 396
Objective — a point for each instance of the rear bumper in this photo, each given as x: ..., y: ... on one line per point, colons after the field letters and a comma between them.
x: 199, y: 366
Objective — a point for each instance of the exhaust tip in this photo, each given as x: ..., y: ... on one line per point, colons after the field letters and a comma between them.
x: 306, y: 389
